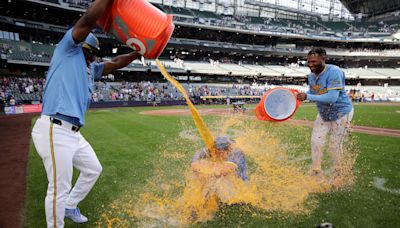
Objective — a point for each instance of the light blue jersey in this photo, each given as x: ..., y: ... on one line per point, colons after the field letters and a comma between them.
x: 236, y: 156
x: 332, y: 78
x: 69, y: 82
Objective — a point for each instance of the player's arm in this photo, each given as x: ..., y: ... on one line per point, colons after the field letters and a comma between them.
x: 86, y: 23
x: 119, y: 62
x: 334, y: 85
x: 329, y: 97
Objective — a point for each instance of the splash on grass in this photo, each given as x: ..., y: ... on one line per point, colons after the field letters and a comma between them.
x: 181, y: 193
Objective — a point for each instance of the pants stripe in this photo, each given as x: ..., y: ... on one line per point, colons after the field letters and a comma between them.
x: 53, y: 160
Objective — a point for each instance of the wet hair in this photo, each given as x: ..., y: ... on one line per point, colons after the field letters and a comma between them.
x: 317, y: 51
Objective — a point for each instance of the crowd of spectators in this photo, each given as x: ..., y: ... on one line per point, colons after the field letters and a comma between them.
x: 21, y: 90
x: 134, y: 91
x: 18, y: 90
x: 361, y: 93
x: 5, y: 48
x: 154, y: 91
x: 29, y: 90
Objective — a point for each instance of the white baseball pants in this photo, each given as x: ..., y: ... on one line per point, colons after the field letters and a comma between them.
x: 337, y: 131
x: 61, y: 149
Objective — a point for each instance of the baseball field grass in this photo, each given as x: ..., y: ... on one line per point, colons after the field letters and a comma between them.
x: 384, y: 116
x: 129, y: 146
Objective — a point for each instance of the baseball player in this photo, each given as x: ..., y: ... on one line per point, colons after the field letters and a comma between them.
x: 55, y: 134
x: 214, y: 182
x: 226, y: 152
x: 335, y: 110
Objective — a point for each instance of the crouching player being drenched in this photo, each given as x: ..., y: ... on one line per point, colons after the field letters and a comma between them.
x: 219, y: 179
x: 233, y: 157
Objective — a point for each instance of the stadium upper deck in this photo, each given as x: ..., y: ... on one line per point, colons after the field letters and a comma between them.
x: 242, y: 49
x: 280, y: 25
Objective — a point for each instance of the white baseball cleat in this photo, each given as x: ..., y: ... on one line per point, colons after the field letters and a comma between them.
x: 75, y: 215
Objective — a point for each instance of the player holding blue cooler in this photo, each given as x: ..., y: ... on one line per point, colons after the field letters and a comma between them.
x: 335, y: 111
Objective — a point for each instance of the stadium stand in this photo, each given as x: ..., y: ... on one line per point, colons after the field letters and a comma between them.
x: 212, y: 53
x: 27, y: 90
x: 305, y: 27
x: 259, y: 70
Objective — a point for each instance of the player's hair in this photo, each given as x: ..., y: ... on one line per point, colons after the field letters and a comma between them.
x: 317, y: 51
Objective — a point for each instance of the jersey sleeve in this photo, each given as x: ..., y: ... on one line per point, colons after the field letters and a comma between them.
x: 328, y: 98
x: 67, y: 43
x: 98, y: 69
x: 237, y: 157
x: 335, y: 80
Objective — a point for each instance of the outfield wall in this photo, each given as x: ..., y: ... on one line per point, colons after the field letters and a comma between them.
x: 37, y: 108
x: 116, y: 104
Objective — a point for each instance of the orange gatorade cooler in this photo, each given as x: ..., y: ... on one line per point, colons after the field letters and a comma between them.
x: 278, y: 104
x: 140, y: 25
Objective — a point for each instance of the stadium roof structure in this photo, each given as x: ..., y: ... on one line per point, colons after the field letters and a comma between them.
x: 372, y: 8
x: 329, y: 9
x: 282, y: 7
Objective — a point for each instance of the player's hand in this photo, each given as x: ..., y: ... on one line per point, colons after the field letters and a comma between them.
x: 227, y: 168
x: 301, y: 96
x: 135, y: 55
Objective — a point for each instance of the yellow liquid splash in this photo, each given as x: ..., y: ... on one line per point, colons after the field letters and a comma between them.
x: 201, y: 127
x: 181, y: 193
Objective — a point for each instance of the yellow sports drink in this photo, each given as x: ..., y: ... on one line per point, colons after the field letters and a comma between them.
x: 201, y: 126
x: 140, y: 25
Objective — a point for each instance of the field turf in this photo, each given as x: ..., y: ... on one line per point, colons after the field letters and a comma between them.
x: 127, y: 146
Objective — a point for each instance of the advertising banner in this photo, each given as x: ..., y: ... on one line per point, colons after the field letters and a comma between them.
x: 18, y: 109
x: 32, y: 108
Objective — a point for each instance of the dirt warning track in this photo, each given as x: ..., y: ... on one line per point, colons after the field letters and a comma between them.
x: 14, y: 140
